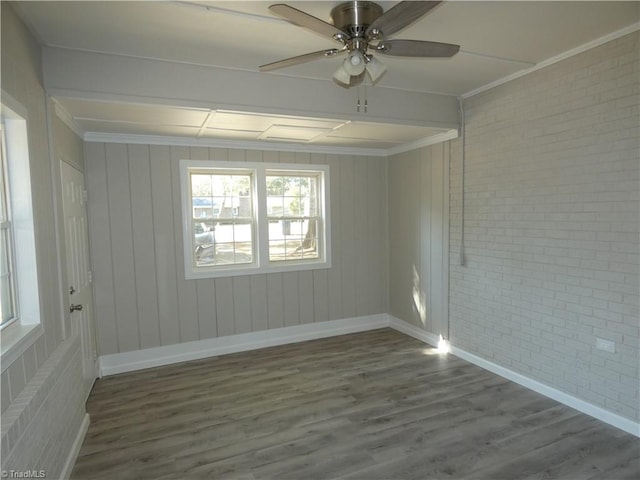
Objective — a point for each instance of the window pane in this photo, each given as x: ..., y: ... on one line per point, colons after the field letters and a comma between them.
x: 292, y: 195
x: 7, y: 280
x: 7, y: 306
x: 293, y: 240
x: 222, y: 219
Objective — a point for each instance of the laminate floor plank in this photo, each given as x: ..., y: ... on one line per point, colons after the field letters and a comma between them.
x: 376, y: 405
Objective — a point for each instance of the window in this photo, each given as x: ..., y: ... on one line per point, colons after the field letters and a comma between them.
x: 292, y: 213
x: 19, y: 295
x: 253, y: 218
x: 8, y: 307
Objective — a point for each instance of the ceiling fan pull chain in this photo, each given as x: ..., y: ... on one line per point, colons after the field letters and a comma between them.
x: 358, y: 94
x: 365, y: 97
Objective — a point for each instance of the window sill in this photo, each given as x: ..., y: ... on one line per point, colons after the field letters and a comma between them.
x: 255, y: 270
x: 16, y: 339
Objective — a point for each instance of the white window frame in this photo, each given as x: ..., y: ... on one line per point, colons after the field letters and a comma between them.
x: 7, y: 229
x: 19, y: 335
x: 261, y: 262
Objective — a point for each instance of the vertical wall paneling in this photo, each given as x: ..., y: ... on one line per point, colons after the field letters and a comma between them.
x: 437, y: 286
x: 165, y: 247
x: 417, y: 260
x: 427, y: 278
x: 360, y: 241
x: 306, y: 296
x: 347, y: 242
x: 100, y: 240
x: 446, y: 240
x: 259, y: 303
x: 241, y: 286
x: 291, y: 298
x: 124, y: 287
x: 335, y: 274
x: 224, y: 306
x: 143, y: 245
x: 187, y: 300
x: 275, y: 296
x: 142, y: 214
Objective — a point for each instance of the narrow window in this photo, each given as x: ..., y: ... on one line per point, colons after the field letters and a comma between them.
x: 293, y: 215
x: 222, y: 218
x: 7, y: 274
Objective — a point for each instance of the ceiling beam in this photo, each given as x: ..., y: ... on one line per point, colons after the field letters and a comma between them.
x: 107, y: 77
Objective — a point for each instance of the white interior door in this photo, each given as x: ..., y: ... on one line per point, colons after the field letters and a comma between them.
x: 78, y: 268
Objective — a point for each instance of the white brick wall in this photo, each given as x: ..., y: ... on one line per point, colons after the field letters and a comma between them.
x: 552, y: 226
x: 42, y: 422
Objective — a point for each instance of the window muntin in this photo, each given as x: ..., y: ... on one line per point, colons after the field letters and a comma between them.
x: 8, y: 307
x: 246, y: 218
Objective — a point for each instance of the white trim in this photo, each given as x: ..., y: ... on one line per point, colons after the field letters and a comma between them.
x: 234, y: 144
x: 558, y: 58
x: 67, y: 118
x: 599, y: 413
x: 182, y: 352
x: 16, y: 339
x: 424, y: 142
x: 413, y: 331
x: 606, y: 416
x: 75, y: 448
x: 266, y: 145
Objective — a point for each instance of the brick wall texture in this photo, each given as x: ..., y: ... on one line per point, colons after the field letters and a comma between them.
x: 551, y: 226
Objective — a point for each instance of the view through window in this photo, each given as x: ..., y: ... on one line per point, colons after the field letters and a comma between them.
x: 254, y: 217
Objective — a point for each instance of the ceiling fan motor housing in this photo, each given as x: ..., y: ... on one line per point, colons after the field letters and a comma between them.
x: 355, y: 17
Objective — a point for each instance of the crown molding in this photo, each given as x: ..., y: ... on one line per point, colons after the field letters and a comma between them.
x: 558, y: 58
x: 424, y: 142
x: 67, y: 119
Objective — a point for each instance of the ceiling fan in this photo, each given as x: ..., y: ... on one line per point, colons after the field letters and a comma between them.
x: 363, y: 28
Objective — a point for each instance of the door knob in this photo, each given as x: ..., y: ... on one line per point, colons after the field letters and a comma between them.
x: 74, y: 308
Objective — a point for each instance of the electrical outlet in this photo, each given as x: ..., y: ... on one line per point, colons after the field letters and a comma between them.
x: 605, y: 345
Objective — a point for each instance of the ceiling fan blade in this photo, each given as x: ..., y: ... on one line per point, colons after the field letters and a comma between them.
x: 398, y: 17
x: 302, y: 19
x: 416, y: 48
x: 307, y: 57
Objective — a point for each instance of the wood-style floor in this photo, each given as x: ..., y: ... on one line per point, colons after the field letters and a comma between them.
x: 373, y: 405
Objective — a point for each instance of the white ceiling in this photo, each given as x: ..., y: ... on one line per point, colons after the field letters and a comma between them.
x: 497, y: 39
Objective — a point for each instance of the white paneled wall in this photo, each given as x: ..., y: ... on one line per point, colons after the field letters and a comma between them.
x: 419, y: 237
x: 142, y: 297
x: 552, y: 212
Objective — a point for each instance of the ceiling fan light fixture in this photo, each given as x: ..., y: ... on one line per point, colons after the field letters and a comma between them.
x: 375, y: 69
x: 355, y: 63
x: 342, y: 76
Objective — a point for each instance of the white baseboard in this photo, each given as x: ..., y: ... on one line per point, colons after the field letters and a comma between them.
x: 600, y: 413
x: 182, y: 352
x: 158, y: 356
x: 606, y: 416
x: 413, y: 331
x: 75, y: 448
